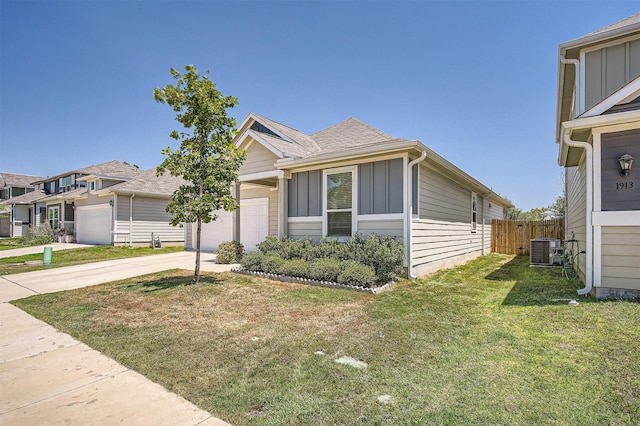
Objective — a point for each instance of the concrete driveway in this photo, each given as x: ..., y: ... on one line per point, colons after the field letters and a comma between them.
x: 47, y: 377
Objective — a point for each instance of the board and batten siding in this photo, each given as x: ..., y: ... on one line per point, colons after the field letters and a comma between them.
x: 442, y: 235
x: 149, y: 216
x: 618, y: 192
x: 609, y: 69
x: 620, y: 253
x: 248, y: 193
x: 576, y: 209
x: 259, y: 159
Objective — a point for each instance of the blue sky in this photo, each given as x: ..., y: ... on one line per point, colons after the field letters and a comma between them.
x: 475, y: 81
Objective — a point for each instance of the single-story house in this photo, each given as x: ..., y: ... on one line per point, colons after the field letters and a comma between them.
x: 352, y: 178
x: 598, y: 138
x: 127, y: 213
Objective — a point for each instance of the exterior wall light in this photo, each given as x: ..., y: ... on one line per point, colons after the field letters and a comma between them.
x: 111, y: 203
x: 626, y: 161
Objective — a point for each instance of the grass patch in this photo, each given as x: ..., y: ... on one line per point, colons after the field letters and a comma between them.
x: 15, y: 264
x: 11, y: 243
x: 478, y: 344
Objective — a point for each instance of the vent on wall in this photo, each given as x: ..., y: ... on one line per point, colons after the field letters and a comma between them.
x: 545, y: 251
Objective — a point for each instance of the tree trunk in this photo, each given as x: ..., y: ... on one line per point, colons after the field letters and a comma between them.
x: 196, y: 274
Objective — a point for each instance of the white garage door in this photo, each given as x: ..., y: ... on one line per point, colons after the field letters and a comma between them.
x: 254, y: 226
x: 93, y: 225
x: 214, y: 233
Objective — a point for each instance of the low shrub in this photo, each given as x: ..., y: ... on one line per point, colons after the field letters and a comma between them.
x: 325, y: 270
x: 252, y: 261
x: 38, y: 235
x: 229, y: 252
x: 357, y: 275
x: 295, y: 268
x: 272, y: 264
x: 383, y: 254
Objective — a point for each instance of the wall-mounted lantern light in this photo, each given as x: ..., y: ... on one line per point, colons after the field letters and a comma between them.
x: 111, y: 203
x: 626, y: 161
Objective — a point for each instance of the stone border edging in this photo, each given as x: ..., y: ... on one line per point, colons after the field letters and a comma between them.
x: 330, y: 284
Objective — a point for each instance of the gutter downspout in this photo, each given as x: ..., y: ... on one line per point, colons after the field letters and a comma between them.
x: 410, y: 212
x: 131, y: 220
x: 576, y: 85
x: 589, y: 196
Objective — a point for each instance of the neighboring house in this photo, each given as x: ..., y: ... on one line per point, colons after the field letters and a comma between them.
x: 14, y: 223
x: 353, y: 178
x: 62, y: 190
x: 127, y: 213
x: 598, y: 133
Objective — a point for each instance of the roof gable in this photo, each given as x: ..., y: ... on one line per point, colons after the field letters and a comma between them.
x: 350, y: 133
x: 148, y: 182
x: 622, y: 98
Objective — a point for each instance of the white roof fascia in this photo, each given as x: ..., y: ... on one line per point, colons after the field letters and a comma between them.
x: 287, y: 163
x: 262, y: 175
x: 89, y: 177
x: 590, y: 122
x: 624, y: 95
x: 257, y: 137
x: 144, y: 194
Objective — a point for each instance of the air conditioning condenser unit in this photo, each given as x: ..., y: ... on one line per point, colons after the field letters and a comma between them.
x: 545, y: 252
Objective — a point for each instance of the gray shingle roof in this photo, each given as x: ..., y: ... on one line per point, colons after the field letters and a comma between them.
x: 347, y: 135
x: 14, y: 179
x: 633, y: 19
x: 149, y: 183
x: 109, y: 169
x: 27, y: 198
x: 67, y: 195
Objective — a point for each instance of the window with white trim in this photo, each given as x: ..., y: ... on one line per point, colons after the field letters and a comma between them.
x: 474, y: 211
x: 339, y: 197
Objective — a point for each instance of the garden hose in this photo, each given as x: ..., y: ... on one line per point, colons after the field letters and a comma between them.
x: 571, y: 261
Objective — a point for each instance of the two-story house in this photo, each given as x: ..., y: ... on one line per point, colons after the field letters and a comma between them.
x: 62, y: 190
x: 598, y: 137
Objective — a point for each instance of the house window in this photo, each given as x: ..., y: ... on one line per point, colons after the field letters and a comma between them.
x: 54, y: 217
x: 65, y: 183
x: 93, y: 185
x: 339, y: 197
x: 474, y: 211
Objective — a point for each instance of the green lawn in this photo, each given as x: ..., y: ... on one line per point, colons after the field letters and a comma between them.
x: 479, y: 344
x: 16, y: 264
x: 11, y: 243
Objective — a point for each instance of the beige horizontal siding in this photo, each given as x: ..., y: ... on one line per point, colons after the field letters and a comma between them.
x: 259, y: 159
x: 437, y: 244
x: 305, y: 229
x: 149, y: 216
x: 621, y: 257
x: 442, y: 198
x: 392, y: 227
x: 576, y: 209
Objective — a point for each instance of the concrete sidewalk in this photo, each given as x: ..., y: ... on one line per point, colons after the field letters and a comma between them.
x: 40, y: 249
x: 47, y: 377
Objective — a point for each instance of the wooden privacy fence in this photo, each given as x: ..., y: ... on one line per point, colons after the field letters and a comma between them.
x: 514, y: 236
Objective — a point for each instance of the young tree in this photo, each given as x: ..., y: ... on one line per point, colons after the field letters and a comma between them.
x: 207, y: 159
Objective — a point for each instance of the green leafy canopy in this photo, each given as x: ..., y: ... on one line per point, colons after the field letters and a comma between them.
x: 207, y: 158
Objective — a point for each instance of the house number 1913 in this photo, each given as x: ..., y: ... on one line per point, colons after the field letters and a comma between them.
x: 624, y: 185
